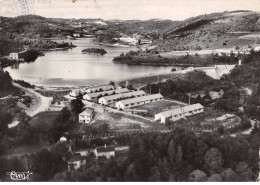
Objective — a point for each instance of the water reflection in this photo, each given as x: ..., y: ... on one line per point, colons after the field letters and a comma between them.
x: 72, y: 68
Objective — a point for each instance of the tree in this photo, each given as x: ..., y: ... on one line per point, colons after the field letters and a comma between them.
x: 215, y: 178
x: 42, y: 164
x: 214, y: 160
x: 155, y: 175
x: 171, y: 150
x: 76, y: 106
x: 130, y: 174
x: 179, y: 154
x: 197, y: 176
x: 229, y: 175
x: 244, y: 172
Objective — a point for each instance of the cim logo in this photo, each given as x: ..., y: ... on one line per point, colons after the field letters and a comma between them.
x: 19, y: 176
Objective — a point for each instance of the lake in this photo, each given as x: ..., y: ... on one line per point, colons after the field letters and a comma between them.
x: 72, y: 68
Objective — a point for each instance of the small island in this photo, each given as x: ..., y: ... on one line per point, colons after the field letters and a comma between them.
x: 94, y: 51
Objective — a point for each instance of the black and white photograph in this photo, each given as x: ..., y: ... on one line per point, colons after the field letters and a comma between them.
x: 129, y: 91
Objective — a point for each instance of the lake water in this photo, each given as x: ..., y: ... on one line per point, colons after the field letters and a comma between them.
x: 72, y: 68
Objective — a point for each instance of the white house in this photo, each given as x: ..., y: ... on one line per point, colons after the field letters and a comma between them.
x: 178, y: 113
x: 76, y: 162
x: 75, y: 93
x: 114, y: 98
x: 86, y: 116
x: 14, y: 56
x: 100, y: 88
x: 133, y: 102
x: 76, y: 35
x: 63, y: 139
x: 105, y: 151
x: 92, y: 96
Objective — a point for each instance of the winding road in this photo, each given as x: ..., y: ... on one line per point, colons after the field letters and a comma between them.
x: 41, y: 103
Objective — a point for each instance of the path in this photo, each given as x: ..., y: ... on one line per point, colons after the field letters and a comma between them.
x: 41, y: 103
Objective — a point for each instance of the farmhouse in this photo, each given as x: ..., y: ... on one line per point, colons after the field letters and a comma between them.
x: 133, y: 102
x: 178, y: 113
x: 76, y: 162
x: 86, y: 116
x: 92, y: 96
x: 105, y: 151
x: 100, y: 88
x: 114, y: 98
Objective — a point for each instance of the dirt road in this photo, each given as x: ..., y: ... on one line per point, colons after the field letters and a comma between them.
x: 40, y: 103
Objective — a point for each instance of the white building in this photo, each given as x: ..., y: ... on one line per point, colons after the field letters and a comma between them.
x: 63, y: 139
x: 114, y: 98
x: 14, y: 56
x: 178, y: 113
x: 92, y: 96
x: 105, y: 151
x: 77, y: 35
x: 86, y: 116
x: 133, y: 102
x: 75, y: 93
x: 99, y: 88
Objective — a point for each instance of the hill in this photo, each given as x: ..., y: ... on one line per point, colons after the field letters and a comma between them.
x: 210, y: 31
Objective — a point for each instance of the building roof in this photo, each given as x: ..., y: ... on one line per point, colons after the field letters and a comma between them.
x: 101, y: 86
x: 181, y: 110
x: 128, y: 94
x: 105, y: 148
x: 74, y: 158
x: 87, y: 112
x: 140, y: 99
x: 117, y: 91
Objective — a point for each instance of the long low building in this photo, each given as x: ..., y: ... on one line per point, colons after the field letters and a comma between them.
x: 133, y: 102
x: 99, y: 88
x: 117, y: 97
x: 178, y: 113
x: 93, y: 96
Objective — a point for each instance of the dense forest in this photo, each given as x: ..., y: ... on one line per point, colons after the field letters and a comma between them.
x: 176, y: 156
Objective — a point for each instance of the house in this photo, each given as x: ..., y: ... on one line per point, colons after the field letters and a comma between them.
x: 70, y: 37
x: 76, y: 35
x: 133, y: 102
x: 92, y: 96
x: 76, y: 162
x: 105, y: 151
x: 63, y: 139
x: 75, y: 93
x: 178, y: 113
x: 14, y: 56
x: 114, y: 98
x: 100, y: 88
x: 86, y: 116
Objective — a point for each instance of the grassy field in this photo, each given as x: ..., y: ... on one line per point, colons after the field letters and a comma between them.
x: 207, y: 120
x: 43, y: 120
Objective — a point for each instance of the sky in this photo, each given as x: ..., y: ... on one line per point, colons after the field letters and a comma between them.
x: 123, y: 9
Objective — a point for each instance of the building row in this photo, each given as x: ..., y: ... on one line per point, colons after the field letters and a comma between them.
x: 77, y: 92
x: 133, y: 102
x: 96, y: 95
x: 117, y: 97
x: 178, y: 113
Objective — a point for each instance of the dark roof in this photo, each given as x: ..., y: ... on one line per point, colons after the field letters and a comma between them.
x: 87, y: 111
x: 105, y: 149
x: 74, y: 158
